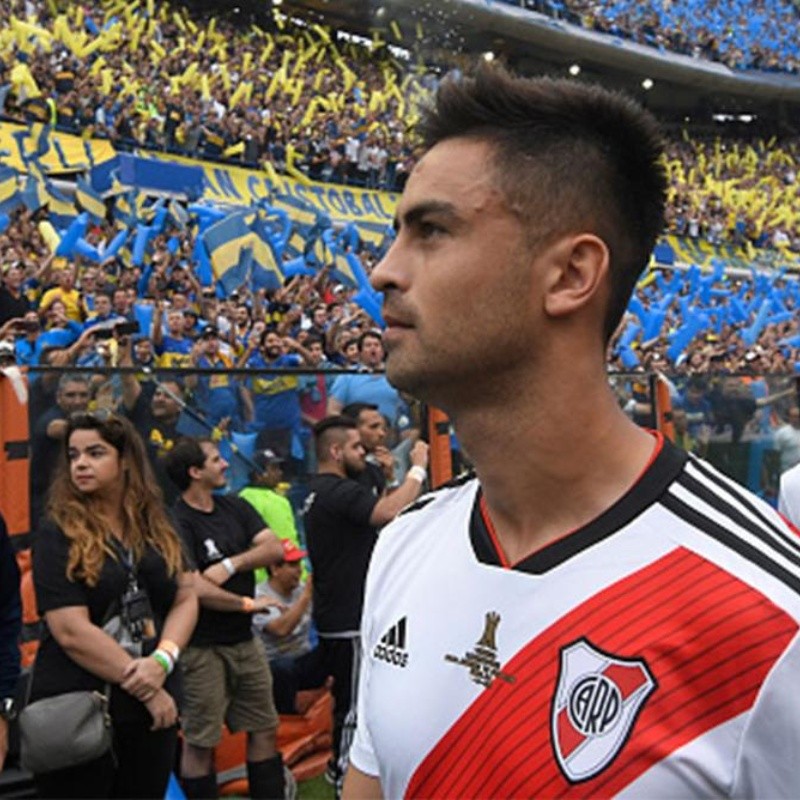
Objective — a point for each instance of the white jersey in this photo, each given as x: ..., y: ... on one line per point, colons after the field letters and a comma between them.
x: 652, y: 653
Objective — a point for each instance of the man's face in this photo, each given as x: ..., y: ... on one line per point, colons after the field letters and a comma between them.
x: 353, y: 454
x: 143, y: 350
x: 73, y: 396
x: 457, y: 238
x: 287, y: 575
x: 371, y: 429
x: 273, y: 346
x: 175, y: 323
x: 163, y: 406
x: 102, y: 305
x: 242, y: 316
x: 13, y: 278
x: 315, y: 348
x: 120, y: 301
x: 371, y: 352
x: 214, y: 467
x: 66, y: 279
x: 320, y: 316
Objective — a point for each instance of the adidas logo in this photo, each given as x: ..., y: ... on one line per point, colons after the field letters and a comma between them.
x: 392, y: 646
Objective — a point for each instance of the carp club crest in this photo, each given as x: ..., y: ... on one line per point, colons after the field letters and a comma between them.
x: 598, y: 698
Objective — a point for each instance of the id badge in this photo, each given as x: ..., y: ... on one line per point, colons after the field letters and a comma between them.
x: 138, y: 614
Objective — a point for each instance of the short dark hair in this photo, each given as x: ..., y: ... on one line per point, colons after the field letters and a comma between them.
x: 569, y: 156
x: 186, y: 453
x: 329, y: 430
x: 353, y: 410
x: 368, y: 335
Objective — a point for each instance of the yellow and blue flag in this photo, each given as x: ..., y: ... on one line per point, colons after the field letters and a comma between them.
x: 90, y: 200
x: 224, y: 241
x: 9, y: 190
x: 267, y: 273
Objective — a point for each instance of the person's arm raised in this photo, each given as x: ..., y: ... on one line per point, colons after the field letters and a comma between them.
x: 389, y: 506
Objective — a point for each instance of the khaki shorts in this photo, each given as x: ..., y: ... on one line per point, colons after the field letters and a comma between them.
x: 226, y: 683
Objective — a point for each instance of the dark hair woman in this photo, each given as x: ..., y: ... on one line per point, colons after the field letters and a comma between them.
x: 118, y: 607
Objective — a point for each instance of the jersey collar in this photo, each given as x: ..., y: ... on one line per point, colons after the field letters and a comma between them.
x: 664, y: 467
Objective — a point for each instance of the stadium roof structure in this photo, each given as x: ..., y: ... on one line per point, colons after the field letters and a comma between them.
x: 533, y: 43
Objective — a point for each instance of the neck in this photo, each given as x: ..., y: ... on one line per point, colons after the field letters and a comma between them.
x: 568, y: 453
x: 199, y: 497
x: 331, y: 468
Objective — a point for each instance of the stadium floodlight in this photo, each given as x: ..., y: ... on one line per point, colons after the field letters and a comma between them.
x: 380, y: 11
x: 575, y: 70
x: 647, y: 84
x: 277, y: 2
x: 488, y: 56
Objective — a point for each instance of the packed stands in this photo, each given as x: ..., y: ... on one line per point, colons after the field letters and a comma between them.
x: 741, y: 35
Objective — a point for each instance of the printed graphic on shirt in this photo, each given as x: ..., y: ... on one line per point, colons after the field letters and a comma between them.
x: 708, y: 641
x: 482, y: 661
x: 597, y: 701
x: 392, y: 646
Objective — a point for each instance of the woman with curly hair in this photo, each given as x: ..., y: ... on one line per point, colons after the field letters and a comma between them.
x: 118, y: 607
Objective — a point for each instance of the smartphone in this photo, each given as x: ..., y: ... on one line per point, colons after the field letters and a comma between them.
x: 104, y: 333
x: 127, y: 328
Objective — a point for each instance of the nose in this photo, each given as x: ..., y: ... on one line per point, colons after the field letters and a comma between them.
x: 389, y: 273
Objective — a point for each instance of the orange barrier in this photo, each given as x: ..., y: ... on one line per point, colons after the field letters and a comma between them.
x: 14, y: 451
x: 304, y: 741
x: 30, y: 613
x: 663, y: 408
x: 441, y: 456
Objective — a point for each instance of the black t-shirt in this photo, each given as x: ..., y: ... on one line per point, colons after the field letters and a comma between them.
x: 372, y: 478
x: 209, y: 537
x: 340, y: 542
x: 12, y: 307
x: 55, y: 672
x: 159, y: 438
x: 45, y: 452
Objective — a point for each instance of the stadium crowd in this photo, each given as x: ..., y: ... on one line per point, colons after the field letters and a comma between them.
x: 293, y: 97
x: 270, y: 363
x: 743, y: 36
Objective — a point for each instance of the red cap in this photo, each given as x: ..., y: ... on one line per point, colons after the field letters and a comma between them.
x: 291, y: 552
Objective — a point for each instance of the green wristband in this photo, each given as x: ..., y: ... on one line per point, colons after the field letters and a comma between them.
x: 163, y: 660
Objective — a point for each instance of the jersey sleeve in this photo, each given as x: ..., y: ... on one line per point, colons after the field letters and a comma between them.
x: 768, y: 763
x: 362, y: 752
x: 53, y: 588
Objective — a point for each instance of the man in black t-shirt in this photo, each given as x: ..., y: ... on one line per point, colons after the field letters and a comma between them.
x: 341, y: 520
x: 225, y: 669
x: 154, y: 410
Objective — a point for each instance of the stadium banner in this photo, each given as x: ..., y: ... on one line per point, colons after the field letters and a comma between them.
x: 242, y: 186
x: 62, y: 152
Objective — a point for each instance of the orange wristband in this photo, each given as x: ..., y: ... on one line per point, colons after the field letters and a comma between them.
x: 170, y: 647
x: 247, y: 605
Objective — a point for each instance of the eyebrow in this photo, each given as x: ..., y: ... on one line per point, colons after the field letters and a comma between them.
x: 417, y: 212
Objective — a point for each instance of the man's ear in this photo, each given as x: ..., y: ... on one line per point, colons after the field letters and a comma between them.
x: 577, y: 269
x: 194, y: 473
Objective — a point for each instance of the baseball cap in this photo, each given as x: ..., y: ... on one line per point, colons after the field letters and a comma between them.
x: 209, y: 331
x: 263, y: 458
x: 291, y: 552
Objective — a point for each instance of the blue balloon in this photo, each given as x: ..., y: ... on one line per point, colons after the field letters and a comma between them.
x: 71, y: 236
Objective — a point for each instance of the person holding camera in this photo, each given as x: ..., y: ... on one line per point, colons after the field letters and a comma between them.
x: 117, y: 605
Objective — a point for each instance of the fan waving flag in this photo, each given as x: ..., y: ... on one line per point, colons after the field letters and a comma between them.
x: 225, y: 241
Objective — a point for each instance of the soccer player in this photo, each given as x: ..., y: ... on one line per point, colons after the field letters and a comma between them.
x: 596, y: 612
